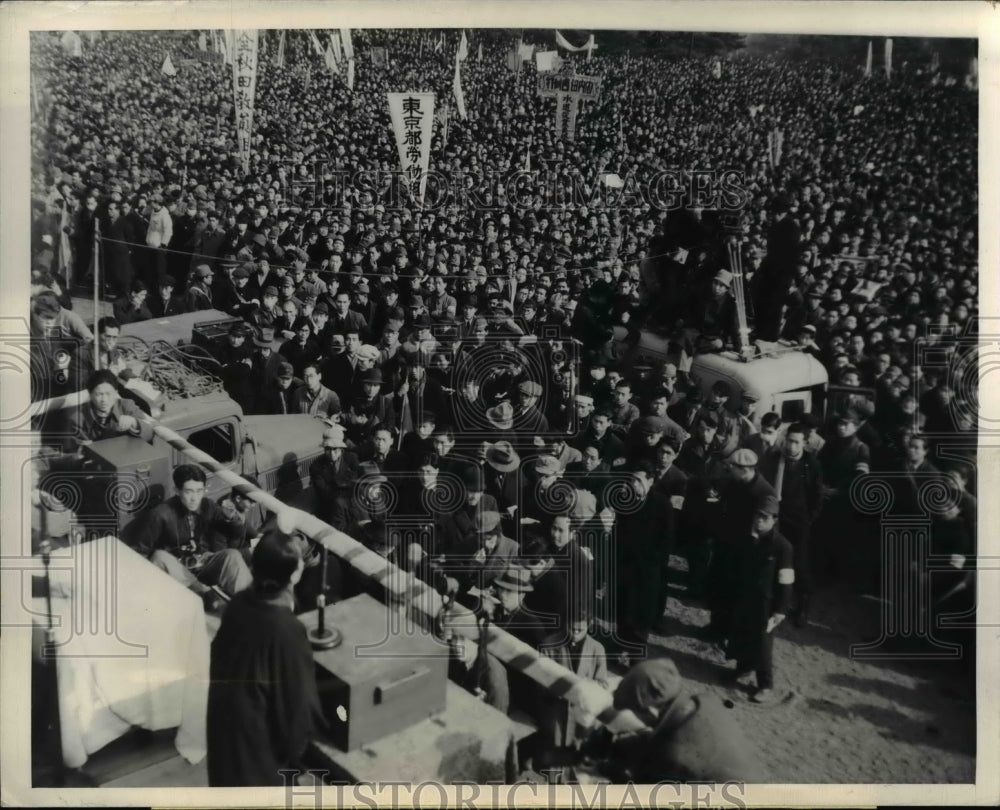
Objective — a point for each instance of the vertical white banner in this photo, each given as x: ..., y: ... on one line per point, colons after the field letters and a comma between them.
x: 463, y: 47
x: 345, y: 39
x: 350, y: 74
x: 888, y: 58
x: 280, y: 57
x: 868, y: 61
x: 412, y: 117
x: 244, y: 54
x: 457, y: 87
x: 338, y: 50
x: 202, y: 42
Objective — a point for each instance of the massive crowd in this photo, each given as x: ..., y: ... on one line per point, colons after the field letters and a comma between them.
x: 461, y: 352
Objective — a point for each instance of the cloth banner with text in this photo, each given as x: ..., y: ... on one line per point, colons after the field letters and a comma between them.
x: 245, y: 45
x: 412, y: 117
x: 568, y: 90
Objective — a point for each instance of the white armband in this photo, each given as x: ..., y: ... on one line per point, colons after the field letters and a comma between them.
x: 786, y: 576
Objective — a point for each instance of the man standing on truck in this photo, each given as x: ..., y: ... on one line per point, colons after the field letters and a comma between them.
x: 190, y: 538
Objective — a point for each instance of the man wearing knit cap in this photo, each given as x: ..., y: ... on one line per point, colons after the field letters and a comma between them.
x: 692, y: 738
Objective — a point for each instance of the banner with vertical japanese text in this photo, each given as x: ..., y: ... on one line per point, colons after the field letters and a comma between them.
x: 412, y: 117
x: 245, y: 46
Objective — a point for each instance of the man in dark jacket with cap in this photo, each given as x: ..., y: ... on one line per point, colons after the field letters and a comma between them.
x: 738, y: 498
x: 763, y: 577
x: 692, y: 738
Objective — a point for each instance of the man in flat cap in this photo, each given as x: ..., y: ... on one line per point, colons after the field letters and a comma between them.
x: 738, y: 499
x: 692, y: 737
x: 199, y: 293
x: 762, y: 595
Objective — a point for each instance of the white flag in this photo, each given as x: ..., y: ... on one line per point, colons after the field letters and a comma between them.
x: 547, y: 61
x: 245, y: 45
x: 457, y: 88
x: 463, y: 47
x: 587, y: 46
x: 350, y: 74
x: 525, y: 51
x: 479, y: 52
x: 439, y: 45
x: 202, y: 42
x: 412, y: 117
x: 317, y: 45
x: 329, y: 60
x: 280, y: 59
x: 868, y: 60
x: 227, y: 46
x: 347, y: 42
x: 888, y: 57
x: 338, y: 50
x: 72, y: 43
x: 168, y: 69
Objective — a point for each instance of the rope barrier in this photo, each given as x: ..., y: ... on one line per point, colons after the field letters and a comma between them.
x: 451, y: 276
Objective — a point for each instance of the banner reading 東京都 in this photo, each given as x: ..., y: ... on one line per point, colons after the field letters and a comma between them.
x: 245, y: 42
x: 412, y: 117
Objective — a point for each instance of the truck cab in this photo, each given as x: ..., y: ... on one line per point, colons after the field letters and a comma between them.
x: 115, y: 480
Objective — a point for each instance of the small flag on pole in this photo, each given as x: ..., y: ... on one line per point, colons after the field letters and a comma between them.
x: 168, y: 68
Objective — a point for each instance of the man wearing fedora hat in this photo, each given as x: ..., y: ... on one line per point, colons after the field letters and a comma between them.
x: 763, y: 581
x: 482, y: 556
x: 503, y: 476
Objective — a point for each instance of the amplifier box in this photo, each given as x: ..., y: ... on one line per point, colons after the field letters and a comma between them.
x: 386, y: 675
x: 210, y: 335
x: 124, y: 476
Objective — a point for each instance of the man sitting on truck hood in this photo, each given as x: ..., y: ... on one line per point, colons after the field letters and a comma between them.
x: 106, y: 415
x: 189, y: 537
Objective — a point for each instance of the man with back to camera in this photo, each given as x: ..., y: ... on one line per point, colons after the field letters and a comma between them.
x: 691, y: 737
x: 263, y: 703
x: 190, y: 538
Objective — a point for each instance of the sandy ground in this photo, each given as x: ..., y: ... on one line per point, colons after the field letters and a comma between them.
x: 840, y: 719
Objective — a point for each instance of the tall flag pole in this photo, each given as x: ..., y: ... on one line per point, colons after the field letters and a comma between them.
x: 245, y: 47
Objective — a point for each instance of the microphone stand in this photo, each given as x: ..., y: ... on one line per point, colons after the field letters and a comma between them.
x: 323, y: 637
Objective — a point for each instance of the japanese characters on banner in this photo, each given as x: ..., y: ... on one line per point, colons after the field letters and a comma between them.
x: 245, y: 44
x: 412, y: 117
x: 569, y: 90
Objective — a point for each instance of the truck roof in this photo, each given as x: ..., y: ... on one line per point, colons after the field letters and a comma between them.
x: 762, y: 376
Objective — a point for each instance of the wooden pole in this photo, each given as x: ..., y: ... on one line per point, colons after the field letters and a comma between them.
x: 97, y: 287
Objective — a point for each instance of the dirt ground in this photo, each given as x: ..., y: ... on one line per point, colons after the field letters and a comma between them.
x: 841, y: 719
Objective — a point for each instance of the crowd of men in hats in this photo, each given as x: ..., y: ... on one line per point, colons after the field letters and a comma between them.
x: 412, y: 330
